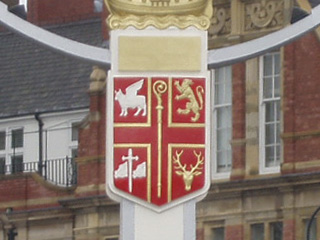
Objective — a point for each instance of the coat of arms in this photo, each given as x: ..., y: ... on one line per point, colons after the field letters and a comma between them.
x: 159, y: 139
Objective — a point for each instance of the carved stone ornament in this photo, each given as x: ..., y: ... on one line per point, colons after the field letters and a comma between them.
x: 220, y: 22
x: 159, y: 13
x: 264, y: 14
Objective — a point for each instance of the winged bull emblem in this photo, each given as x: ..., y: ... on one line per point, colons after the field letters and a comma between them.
x: 131, y: 99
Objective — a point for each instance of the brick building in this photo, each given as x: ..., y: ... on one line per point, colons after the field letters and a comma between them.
x: 265, y: 165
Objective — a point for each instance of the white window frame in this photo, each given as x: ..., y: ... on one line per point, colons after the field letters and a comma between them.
x: 262, y: 114
x: 215, y: 173
x: 9, y: 152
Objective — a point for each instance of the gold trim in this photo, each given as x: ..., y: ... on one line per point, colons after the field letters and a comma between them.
x: 181, y: 22
x: 170, y: 106
x: 159, y: 54
x: 141, y: 145
x: 159, y: 88
x: 159, y: 14
x: 148, y: 123
x: 177, y: 145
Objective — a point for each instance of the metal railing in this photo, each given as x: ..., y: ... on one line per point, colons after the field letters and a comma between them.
x: 61, y: 172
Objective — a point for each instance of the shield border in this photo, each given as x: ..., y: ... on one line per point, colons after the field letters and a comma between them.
x: 119, y: 195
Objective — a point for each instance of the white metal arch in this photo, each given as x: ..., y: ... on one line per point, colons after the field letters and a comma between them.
x: 216, y: 58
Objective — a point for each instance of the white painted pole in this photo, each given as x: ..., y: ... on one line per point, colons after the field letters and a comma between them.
x: 140, y: 223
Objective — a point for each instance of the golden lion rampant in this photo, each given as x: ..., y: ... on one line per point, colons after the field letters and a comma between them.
x: 187, y: 93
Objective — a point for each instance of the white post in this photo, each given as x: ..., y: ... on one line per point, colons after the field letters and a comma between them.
x: 140, y: 223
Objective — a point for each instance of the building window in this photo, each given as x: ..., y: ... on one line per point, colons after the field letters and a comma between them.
x: 17, y: 138
x: 75, y: 132
x: 257, y: 231
x: 11, y: 150
x: 17, y: 164
x: 2, y: 165
x: 218, y: 233
x: 313, y: 230
x: 2, y: 140
x: 74, y: 139
x: 276, y: 230
x: 98, y: 6
x: 222, y: 115
x: 270, y: 72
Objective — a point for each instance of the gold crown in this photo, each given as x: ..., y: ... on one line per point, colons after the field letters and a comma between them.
x: 159, y: 13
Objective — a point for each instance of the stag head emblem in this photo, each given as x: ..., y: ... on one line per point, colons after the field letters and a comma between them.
x: 188, y: 175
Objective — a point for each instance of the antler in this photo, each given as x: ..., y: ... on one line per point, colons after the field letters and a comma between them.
x: 177, y: 160
x: 200, y: 160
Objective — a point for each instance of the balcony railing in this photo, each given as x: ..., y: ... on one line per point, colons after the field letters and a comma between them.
x: 61, y: 172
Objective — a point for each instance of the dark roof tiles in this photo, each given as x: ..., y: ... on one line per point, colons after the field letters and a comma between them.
x: 34, y: 79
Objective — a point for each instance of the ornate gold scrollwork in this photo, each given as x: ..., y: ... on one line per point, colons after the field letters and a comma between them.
x: 159, y: 88
x: 159, y: 13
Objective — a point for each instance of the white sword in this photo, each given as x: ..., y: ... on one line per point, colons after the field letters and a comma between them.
x: 130, y: 158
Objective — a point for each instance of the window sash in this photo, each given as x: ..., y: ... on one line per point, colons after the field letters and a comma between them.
x: 313, y: 229
x: 75, y: 132
x: 270, y: 144
x: 276, y: 231
x: 257, y: 231
x: 17, y: 138
x: 2, y: 140
x: 17, y: 164
x: 218, y: 233
x: 2, y: 165
x: 222, y: 122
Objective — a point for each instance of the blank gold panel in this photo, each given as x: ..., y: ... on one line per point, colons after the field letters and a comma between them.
x: 159, y: 54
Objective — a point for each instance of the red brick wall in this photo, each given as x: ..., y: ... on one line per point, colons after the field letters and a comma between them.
x: 234, y: 232
x: 238, y: 116
x: 24, y: 187
x: 92, y: 147
x: 289, y: 229
x: 42, y: 12
x: 301, y: 108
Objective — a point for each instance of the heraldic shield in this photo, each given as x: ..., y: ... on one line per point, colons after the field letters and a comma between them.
x: 159, y: 139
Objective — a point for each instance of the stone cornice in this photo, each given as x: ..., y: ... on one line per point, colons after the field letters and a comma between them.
x: 228, y: 189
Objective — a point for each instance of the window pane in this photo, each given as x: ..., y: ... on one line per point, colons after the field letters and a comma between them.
x: 2, y: 140
x: 223, y: 118
x: 276, y: 231
x: 74, y: 152
x: 218, y: 233
x: 270, y: 157
x: 267, y: 67
x: 257, y: 231
x: 277, y: 86
x: 267, y: 87
x: 2, y: 165
x: 271, y: 108
x: 270, y: 134
x: 270, y: 112
x: 75, y: 132
x: 219, y: 93
x: 17, y: 164
x: 313, y: 230
x: 17, y: 138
